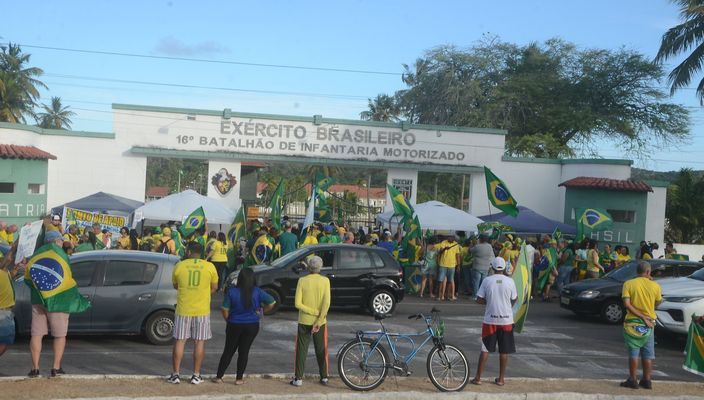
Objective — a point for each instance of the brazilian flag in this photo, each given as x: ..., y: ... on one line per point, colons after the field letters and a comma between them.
x: 194, y: 221
x: 178, y: 242
x: 592, y: 220
x: 262, y: 250
x: 679, y: 257
x: 276, y: 205
x: 323, y: 182
x: 694, y: 351
x: 238, y: 229
x: 48, y: 274
x: 401, y: 205
x: 522, y: 278
x: 499, y: 194
x: 414, y: 230
x: 548, y: 262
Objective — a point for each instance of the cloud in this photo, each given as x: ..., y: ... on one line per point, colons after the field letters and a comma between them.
x: 172, y: 46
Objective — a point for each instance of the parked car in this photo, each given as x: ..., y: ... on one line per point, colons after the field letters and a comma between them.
x: 360, y: 276
x: 682, y: 297
x: 603, y: 296
x: 130, y: 293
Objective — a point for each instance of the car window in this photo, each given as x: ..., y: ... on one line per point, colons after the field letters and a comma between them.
x: 129, y: 273
x: 83, y: 272
x: 328, y: 257
x: 376, y: 260
x: 354, y: 259
x: 699, y: 275
x: 687, y: 269
x: 628, y: 271
x: 662, y: 271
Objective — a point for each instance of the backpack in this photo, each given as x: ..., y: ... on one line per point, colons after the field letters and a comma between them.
x: 163, y: 248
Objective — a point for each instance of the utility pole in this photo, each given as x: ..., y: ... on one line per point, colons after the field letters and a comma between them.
x: 369, y: 184
x: 435, y: 192
x: 462, y: 194
x: 180, y: 172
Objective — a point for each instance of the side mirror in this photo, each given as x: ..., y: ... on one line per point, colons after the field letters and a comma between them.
x: 299, y: 267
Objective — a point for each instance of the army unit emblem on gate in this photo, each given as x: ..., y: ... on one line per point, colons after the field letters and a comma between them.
x: 223, y: 181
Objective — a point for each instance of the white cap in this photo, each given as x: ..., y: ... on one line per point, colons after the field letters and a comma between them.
x: 498, y: 264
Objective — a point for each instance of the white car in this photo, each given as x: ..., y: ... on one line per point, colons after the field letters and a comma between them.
x: 682, y: 297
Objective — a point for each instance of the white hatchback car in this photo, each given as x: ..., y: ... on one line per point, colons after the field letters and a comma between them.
x: 682, y: 297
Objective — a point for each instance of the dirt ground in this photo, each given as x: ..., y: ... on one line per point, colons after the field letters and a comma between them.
x: 66, y: 387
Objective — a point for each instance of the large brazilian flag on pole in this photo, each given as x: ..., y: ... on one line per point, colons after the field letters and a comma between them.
x: 401, y: 205
x: 592, y: 220
x: 48, y: 273
x: 522, y: 279
x: 195, y: 220
x: 499, y: 194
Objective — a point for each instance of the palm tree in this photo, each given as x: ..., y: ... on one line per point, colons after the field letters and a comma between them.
x: 680, y: 39
x: 56, y: 116
x: 383, y: 108
x: 19, y: 86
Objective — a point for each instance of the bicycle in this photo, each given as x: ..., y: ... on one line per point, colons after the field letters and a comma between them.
x: 363, y: 363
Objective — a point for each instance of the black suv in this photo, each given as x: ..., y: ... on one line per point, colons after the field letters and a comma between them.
x: 360, y: 276
x: 603, y: 296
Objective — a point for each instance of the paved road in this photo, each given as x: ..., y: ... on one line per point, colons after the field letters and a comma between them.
x: 555, y: 344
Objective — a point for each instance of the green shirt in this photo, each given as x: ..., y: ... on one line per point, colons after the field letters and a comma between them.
x: 87, y: 246
x: 288, y: 242
x: 569, y: 260
x: 329, y: 239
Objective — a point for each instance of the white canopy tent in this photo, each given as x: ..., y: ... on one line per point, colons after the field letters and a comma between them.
x: 178, y: 206
x: 435, y: 215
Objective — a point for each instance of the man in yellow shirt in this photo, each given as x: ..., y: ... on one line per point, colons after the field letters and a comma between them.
x: 7, y: 301
x: 640, y: 296
x: 312, y: 302
x: 195, y: 280
x: 448, y: 259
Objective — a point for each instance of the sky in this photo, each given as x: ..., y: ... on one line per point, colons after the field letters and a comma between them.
x: 265, y: 39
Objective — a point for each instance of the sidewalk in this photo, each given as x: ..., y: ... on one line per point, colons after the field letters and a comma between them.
x: 277, y: 387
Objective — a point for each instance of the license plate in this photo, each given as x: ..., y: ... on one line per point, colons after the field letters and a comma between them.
x: 565, y: 300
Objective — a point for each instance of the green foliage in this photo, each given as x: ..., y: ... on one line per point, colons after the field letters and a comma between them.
x: 553, y: 99
x: 19, y: 86
x: 56, y: 116
x: 686, y: 37
x: 684, y: 211
x: 165, y: 172
x: 383, y: 108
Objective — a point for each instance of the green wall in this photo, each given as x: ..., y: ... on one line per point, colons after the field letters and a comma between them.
x: 629, y: 234
x: 20, y: 207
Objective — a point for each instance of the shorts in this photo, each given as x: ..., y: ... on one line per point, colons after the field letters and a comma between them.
x: 501, y: 334
x: 7, y: 327
x: 196, y: 328
x: 448, y: 273
x: 647, y: 352
x: 44, y: 322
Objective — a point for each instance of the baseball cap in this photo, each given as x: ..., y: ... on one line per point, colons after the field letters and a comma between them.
x: 56, y: 217
x: 51, y: 236
x: 498, y: 264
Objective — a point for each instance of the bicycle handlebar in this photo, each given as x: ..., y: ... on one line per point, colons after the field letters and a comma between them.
x: 419, y: 315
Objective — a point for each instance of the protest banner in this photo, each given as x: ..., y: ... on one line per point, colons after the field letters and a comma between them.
x: 28, y: 240
x: 82, y: 219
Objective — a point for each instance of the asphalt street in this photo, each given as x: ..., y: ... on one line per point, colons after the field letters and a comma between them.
x: 555, y: 344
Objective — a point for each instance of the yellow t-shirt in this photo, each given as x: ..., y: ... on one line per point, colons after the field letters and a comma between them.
x: 643, y: 294
x: 313, y: 299
x: 646, y: 256
x: 310, y: 239
x: 219, y: 252
x: 7, y: 291
x: 194, y: 278
x: 3, y: 236
x: 448, y: 258
x: 124, y: 242
x: 621, y: 259
x: 591, y: 266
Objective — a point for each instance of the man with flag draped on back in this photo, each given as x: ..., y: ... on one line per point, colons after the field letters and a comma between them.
x: 499, y: 194
x: 54, y: 295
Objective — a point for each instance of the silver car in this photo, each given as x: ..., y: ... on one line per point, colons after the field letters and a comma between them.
x: 130, y: 293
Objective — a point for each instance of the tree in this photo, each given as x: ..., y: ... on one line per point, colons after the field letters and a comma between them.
x: 19, y: 86
x: 684, y: 210
x: 56, y: 116
x: 383, y: 108
x: 553, y: 99
x: 680, y: 39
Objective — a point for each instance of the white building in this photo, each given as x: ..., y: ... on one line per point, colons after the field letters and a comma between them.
x: 115, y: 162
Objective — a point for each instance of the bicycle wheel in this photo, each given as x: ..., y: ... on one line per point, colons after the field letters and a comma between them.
x: 360, y: 366
x: 448, y: 369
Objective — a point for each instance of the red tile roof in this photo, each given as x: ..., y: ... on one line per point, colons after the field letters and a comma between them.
x: 255, y: 164
x: 157, y: 191
x: 607, y: 184
x: 24, y: 152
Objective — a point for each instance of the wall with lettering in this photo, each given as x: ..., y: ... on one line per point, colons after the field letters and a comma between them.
x: 25, y: 203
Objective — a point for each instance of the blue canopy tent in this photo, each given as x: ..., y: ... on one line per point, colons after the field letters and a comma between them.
x: 102, y: 202
x: 529, y: 221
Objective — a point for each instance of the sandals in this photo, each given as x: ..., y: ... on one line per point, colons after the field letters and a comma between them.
x: 498, y: 383
x: 475, y: 381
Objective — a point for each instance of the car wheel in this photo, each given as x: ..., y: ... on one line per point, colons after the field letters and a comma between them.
x: 382, y: 302
x: 159, y: 328
x: 277, y: 298
x: 613, y: 312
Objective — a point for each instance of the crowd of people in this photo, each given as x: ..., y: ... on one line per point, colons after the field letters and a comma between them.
x: 451, y: 264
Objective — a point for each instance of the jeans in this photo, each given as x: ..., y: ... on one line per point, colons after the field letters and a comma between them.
x: 477, y: 278
x: 467, y: 280
x: 563, y: 276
